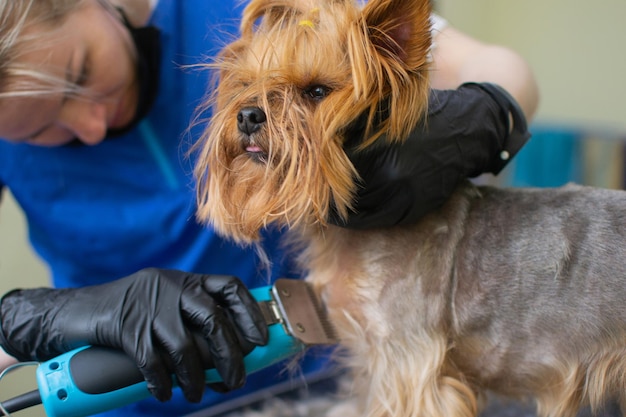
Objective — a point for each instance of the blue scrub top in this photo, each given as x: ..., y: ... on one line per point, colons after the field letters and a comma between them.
x: 99, y: 213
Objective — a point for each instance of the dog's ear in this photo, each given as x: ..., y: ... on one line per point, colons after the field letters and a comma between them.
x: 400, y: 29
x: 270, y: 11
x: 390, y: 54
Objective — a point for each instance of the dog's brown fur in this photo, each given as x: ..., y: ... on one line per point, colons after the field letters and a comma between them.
x: 518, y: 291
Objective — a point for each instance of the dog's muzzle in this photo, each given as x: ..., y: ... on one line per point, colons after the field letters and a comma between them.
x: 250, y: 120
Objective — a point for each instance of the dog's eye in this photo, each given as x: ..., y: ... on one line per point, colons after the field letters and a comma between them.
x: 316, y: 92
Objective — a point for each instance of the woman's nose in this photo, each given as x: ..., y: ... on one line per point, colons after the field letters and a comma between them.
x: 85, y: 119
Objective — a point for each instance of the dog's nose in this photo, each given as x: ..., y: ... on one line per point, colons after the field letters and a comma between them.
x: 250, y: 119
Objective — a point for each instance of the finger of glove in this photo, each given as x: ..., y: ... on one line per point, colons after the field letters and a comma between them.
x: 183, y: 357
x: 153, y: 368
x: 222, y: 343
x: 225, y: 349
x: 232, y: 294
x: 219, y: 387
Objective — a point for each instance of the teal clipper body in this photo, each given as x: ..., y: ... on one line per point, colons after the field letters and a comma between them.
x: 91, y: 379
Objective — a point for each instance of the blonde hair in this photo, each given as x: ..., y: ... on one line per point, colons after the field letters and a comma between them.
x: 16, y: 16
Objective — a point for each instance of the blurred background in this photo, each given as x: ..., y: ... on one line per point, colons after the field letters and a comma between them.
x: 577, y: 50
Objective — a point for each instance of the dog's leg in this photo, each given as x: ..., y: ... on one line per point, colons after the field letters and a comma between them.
x: 423, y: 387
x: 413, y: 379
x: 606, y: 378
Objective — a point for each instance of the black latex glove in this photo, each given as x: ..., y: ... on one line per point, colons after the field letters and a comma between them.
x: 151, y: 315
x: 467, y: 133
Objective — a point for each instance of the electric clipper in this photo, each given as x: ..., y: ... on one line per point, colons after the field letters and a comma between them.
x: 91, y: 379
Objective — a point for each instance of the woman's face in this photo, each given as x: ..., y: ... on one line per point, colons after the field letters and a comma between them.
x: 93, y: 49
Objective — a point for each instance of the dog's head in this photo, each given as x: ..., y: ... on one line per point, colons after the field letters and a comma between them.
x: 302, y: 72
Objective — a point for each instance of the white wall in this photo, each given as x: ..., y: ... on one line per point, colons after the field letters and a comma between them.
x: 577, y: 49
x: 19, y: 267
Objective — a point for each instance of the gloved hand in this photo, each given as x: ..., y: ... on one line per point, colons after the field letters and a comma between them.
x: 467, y: 132
x: 151, y: 316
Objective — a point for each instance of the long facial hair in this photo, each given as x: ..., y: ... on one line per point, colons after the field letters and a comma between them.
x: 358, y: 59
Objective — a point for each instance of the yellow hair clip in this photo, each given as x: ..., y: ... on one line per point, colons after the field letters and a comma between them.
x: 306, y: 22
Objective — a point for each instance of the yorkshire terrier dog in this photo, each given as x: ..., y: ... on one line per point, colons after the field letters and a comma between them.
x: 517, y: 291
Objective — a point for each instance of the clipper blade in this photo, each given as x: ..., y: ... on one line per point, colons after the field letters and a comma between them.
x: 305, y: 317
